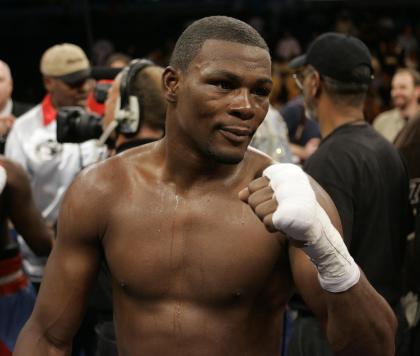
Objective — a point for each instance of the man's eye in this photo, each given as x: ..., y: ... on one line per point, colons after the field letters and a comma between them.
x: 223, y: 84
x: 261, y: 92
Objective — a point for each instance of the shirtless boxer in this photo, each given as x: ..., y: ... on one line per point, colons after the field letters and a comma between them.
x: 195, y: 271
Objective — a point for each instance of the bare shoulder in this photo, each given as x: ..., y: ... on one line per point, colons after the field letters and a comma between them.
x: 256, y: 161
x: 97, y: 192
x: 107, y: 179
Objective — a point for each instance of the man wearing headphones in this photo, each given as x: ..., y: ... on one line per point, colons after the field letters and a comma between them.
x: 136, y: 103
x: 137, y: 90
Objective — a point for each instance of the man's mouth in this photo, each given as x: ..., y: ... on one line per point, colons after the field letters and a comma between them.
x: 236, y: 134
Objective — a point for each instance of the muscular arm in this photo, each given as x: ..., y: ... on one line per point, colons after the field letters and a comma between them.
x: 69, y: 274
x: 22, y: 211
x: 358, y: 321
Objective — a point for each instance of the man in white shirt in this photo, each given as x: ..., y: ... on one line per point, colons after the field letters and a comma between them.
x: 32, y: 142
x: 405, y: 94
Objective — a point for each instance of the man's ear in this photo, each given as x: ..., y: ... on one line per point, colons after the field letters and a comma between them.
x: 170, y: 81
x: 316, y: 85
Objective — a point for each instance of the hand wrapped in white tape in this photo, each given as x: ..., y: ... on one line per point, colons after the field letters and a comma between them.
x: 300, y: 216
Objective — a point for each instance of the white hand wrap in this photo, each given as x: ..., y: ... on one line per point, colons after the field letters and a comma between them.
x: 300, y: 216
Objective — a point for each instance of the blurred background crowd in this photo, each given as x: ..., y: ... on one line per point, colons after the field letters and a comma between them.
x: 148, y: 28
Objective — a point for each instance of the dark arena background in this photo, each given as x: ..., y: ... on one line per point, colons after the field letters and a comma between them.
x: 147, y: 28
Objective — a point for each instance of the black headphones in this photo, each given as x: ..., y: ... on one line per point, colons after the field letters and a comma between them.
x: 129, y: 109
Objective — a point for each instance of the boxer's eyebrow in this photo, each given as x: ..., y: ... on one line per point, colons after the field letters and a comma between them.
x: 236, y: 78
x: 265, y: 81
x: 225, y: 74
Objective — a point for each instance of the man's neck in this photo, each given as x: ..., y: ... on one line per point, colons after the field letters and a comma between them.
x: 185, y: 167
x: 332, y: 116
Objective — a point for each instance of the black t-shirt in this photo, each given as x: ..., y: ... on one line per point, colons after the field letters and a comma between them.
x: 367, y: 180
x: 408, y: 144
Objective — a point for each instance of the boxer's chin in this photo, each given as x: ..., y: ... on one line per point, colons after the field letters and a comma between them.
x: 225, y: 156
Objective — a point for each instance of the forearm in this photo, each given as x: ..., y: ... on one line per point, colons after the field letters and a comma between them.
x: 360, y: 322
x: 35, y: 342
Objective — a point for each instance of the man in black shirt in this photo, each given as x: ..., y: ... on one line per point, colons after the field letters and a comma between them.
x: 360, y: 170
x: 408, y: 144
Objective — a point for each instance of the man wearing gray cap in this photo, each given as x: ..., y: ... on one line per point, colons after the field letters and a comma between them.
x: 359, y: 169
x: 32, y: 142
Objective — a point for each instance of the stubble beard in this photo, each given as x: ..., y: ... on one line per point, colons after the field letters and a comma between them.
x: 222, y: 158
x: 402, y: 105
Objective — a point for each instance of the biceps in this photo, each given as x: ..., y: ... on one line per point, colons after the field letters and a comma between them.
x: 71, y: 271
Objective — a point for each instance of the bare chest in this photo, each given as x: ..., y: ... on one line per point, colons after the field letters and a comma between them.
x: 208, y: 247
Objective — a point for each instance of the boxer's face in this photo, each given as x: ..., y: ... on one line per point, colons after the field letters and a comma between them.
x: 222, y: 98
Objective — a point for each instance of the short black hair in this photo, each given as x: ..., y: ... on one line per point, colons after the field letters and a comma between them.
x: 212, y: 27
x: 151, y: 97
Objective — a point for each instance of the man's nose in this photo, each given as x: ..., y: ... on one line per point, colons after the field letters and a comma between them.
x: 241, y: 105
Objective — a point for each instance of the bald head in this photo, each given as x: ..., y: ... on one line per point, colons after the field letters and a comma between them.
x: 6, y: 84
